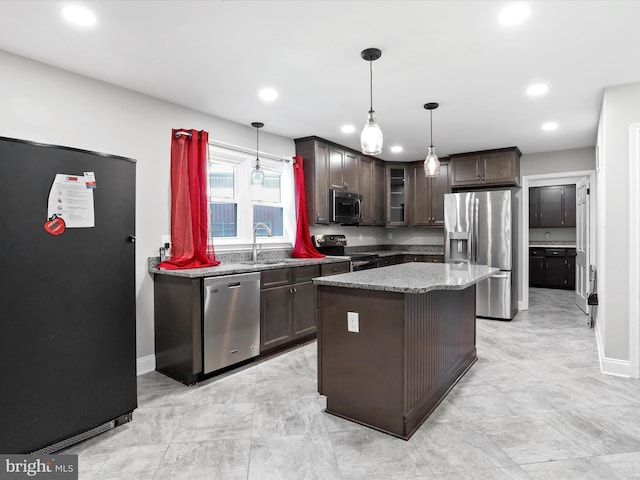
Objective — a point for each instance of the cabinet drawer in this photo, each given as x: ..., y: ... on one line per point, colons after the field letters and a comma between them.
x: 275, y: 278
x: 386, y: 261
x: 306, y: 273
x: 423, y: 258
x: 334, y: 268
x: 554, y: 252
x: 536, y: 252
x: 571, y: 252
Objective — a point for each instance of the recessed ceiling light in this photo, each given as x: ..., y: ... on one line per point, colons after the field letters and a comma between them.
x: 396, y: 149
x: 537, y: 89
x: 513, y: 14
x: 268, y: 94
x: 347, y: 129
x: 79, y: 15
x: 547, y: 127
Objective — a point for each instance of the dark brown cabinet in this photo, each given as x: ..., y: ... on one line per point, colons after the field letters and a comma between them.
x: 407, y: 258
x: 389, y: 260
x: 487, y: 168
x: 316, y: 176
x: 343, y: 169
x: 552, y: 206
x: 287, y: 305
x: 397, y: 189
x: 552, y: 268
x: 427, y: 195
x: 371, y: 182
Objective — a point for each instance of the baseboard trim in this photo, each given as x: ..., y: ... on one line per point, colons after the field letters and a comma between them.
x: 145, y: 364
x: 611, y: 366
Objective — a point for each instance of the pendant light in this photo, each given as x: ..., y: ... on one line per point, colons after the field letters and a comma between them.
x: 257, y: 175
x: 431, y: 163
x: 371, y: 136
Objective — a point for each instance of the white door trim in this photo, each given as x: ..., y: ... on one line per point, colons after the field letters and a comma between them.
x: 634, y: 254
x: 545, y: 180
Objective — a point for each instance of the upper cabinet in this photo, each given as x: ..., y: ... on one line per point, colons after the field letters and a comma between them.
x: 397, y: 188
x: 427, y: 195
x: 343, y: 169
x: 487, y: 168
x: 371, y: 187
x: 316, y: 179
x: 553, y: 206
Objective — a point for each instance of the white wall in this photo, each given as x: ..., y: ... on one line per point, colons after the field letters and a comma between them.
x: 620, y: 108
x: 48, y: 105
x: 577, y: 159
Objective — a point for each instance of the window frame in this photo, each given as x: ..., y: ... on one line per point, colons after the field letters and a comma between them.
x: 243, y: 160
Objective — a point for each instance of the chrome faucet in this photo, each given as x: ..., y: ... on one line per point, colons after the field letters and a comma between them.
x: 256, y: 250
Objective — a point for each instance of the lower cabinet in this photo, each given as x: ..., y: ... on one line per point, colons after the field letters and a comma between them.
x: 423, y: 258
x: 552, y: 268
x: 288, y: 314
x: 289, y: 305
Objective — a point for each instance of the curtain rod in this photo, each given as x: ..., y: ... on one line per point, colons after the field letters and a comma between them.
x: 237, y: 148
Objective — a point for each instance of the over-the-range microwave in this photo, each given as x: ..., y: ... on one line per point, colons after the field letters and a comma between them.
x: 346, y: 207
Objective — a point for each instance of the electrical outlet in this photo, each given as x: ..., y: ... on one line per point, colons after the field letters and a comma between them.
x: 389, y: 236
x: 353, y: 322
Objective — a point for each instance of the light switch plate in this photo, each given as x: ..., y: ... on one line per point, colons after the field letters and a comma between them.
x: 353, y: 322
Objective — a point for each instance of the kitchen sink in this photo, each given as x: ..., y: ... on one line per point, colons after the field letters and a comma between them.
x: 264, y: 262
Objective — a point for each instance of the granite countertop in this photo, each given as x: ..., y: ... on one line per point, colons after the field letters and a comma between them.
x: 552, y: 244
x: 230, y: 268
x: 411, y: 277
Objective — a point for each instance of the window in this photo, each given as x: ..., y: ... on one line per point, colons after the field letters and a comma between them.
x: 236, y: 206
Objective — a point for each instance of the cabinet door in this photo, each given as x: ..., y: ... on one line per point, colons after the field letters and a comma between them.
x: 320, y: 186
x: 499, y: 168
x: 534, y: 207
x: 439, y: 186
x: 464, y: 171
x: 569, y: 205
x: 350, y: 171
x: 551, y: 206
x: 366, y: 190
x: 378, y: 194
x: 397, y: 189
x: 536, y: 271
x: 420, y: 207
x: 555, y: 272
x: 336, y: 157
x: 304, y: 309
x: 571, y: 273
x: 275, y: 317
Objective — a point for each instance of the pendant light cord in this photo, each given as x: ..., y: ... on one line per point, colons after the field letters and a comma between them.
x: 431, y: 126
x: 257, y: 158
x: 371, y: 86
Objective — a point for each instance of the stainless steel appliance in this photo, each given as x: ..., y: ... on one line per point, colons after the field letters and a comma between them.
x: 346, y: 207
x: 231, y: 327
x: 480, y: 227
x: 335, y: 245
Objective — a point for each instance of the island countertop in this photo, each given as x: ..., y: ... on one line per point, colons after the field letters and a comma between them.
x: 416, y: 277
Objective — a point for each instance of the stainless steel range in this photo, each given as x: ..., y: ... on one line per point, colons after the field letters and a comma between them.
x: 335, y: 245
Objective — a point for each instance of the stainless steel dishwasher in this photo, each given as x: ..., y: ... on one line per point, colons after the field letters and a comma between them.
x: 231, y: 320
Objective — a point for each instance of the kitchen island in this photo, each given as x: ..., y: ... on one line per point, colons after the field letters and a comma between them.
x: 393, y: 341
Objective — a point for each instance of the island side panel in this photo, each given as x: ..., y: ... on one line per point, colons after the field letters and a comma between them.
x: 362, y: 373
x: 441, y: 346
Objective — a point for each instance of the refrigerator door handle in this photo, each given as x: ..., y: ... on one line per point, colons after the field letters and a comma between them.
x: 475, y: 208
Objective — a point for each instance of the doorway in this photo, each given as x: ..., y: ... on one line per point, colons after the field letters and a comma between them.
x: 552, y: 179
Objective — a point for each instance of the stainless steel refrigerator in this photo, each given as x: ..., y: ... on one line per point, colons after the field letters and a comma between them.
x: 480, y: 227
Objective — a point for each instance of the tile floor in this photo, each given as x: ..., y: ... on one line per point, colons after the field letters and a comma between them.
x: 534, y: 406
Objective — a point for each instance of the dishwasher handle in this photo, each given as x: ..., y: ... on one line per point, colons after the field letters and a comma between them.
x: 234, y: 285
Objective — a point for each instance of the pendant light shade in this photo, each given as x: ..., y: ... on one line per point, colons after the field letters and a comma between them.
x: 371, y: 136
x: 257, y: 175
x: 431, y: 163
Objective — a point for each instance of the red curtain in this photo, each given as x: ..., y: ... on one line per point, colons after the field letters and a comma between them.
x: 190, y: 247
x: 303, y: 247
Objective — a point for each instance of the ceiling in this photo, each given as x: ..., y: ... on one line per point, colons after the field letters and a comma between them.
x: 214, y: 56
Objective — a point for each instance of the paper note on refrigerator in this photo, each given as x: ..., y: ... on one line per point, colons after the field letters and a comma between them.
x: 70, y: 199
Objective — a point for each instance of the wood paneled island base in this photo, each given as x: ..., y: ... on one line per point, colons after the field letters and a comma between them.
x: 410, y: 350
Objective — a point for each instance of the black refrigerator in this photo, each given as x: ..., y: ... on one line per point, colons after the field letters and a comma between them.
x: 67, y: 296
